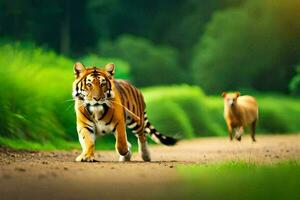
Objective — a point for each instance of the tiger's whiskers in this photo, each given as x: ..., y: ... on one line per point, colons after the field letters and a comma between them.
x: 69, y: 100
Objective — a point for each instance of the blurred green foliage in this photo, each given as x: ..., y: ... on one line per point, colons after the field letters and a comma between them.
x: 123, y: 69
x: 295, y: 83
x: 150, y: 64
x: 189, y: 102
x: 278, y: 114
x: 217, y: 45
x: 35, y: 86
x: 169, y: 118
x: 239, y: 180
x: 250, y: 46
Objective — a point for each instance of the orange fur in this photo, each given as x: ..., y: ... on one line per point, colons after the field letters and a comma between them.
x: 239, y: 112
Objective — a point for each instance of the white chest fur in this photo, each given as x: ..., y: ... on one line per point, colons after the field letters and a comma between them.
x: 101, y: 127
x: 96, y: 111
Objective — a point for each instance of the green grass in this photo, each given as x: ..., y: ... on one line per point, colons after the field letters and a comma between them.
x: 238, y: 180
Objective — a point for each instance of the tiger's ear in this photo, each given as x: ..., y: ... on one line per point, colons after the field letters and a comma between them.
x: 110, y: 69
x: 78, y: 69
x: 224, y: 94
x: 238, y: 94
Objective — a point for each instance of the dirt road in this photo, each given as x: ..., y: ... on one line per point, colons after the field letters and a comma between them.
x: 55, y: 175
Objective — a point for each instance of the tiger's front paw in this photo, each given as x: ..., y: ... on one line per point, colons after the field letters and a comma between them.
x: 84, y: 158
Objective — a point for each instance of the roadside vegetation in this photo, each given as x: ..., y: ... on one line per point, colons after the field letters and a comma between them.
x: 37, y: 107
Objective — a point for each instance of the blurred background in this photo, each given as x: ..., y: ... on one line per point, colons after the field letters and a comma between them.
x: 182, y: 54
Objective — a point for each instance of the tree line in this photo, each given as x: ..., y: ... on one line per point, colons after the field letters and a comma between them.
x: 218, y: 45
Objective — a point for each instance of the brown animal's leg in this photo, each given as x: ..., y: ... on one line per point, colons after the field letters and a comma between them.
x: 143, y: 147
x: 238, y: 133
x: 229, y: 131
x: 253, y: 128
x: 122, y: 145
x: 87, y: 141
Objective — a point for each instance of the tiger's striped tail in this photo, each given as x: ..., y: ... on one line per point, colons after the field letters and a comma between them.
x: 157, y: 136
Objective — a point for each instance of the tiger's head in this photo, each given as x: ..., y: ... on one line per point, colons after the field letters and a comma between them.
x: 93, y: 86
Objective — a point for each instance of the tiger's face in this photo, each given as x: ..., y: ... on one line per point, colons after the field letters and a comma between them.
x: 230, y: 99
x: 93, y: 85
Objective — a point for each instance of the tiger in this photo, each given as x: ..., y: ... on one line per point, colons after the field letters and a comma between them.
x: 106, y: 105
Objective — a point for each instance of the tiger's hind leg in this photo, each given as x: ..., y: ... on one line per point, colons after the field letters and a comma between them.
x: 138, y: 130
x: 143, y: 147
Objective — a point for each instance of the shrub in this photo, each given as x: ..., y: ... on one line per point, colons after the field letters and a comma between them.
x: 190, y: 100
x: 279, y: 114
x: 295, y: 83
x: 169, y: 118
x: 35, y: 85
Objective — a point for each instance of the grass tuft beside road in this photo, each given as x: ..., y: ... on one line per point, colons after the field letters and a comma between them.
x: 240, y: 180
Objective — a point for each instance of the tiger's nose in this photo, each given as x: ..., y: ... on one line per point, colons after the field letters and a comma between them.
x: 96, y: 99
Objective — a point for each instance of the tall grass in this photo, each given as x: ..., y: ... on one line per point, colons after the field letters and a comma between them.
x: 36, y: 104
x: 34, y: 88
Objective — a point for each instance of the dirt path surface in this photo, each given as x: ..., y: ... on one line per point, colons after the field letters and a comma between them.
x: 55, y: 175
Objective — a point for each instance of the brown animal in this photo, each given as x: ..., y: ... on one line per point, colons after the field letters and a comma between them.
x: 239, y: 112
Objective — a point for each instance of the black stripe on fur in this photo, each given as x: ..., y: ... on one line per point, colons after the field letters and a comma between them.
x: 166, y: 140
